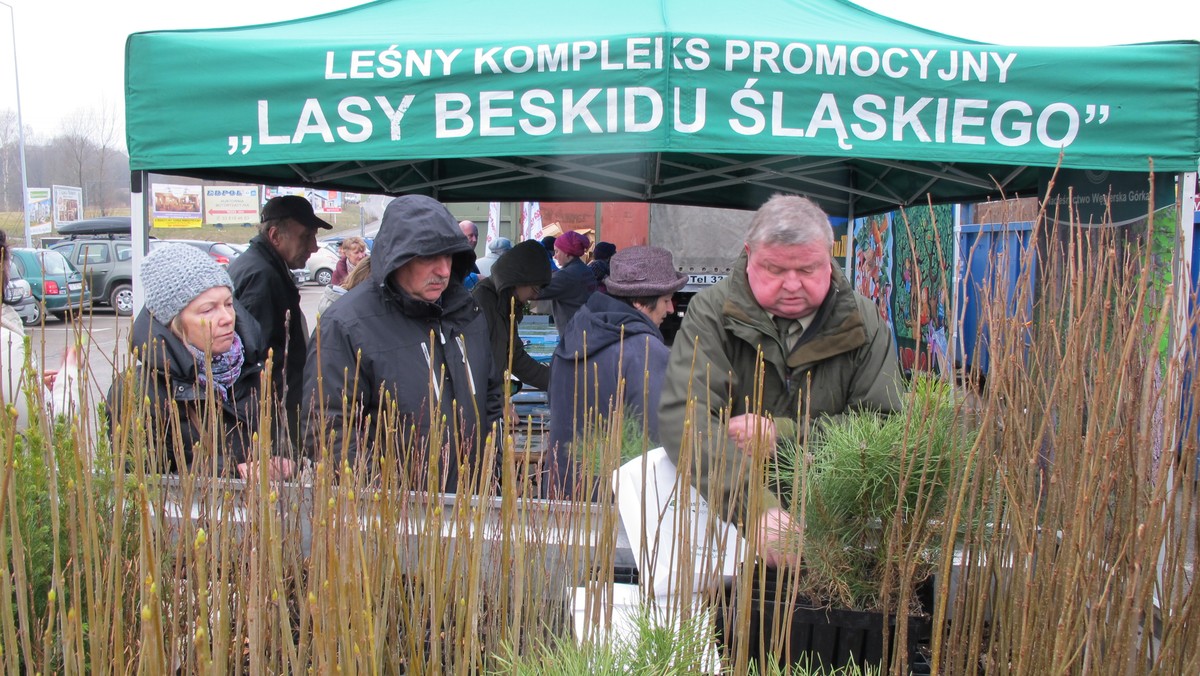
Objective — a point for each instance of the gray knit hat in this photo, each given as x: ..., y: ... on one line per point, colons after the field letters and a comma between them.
x: 643, y: 271
x: 174, y: 274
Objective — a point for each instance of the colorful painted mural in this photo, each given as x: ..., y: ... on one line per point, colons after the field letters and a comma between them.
x: 924, y: 258
x: 873, y: 262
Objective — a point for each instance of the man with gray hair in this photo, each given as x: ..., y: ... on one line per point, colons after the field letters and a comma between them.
x: 782, y: 340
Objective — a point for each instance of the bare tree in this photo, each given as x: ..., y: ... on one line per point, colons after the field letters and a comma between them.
x: 10, y: 166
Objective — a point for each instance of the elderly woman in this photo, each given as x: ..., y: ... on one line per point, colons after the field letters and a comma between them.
x: 352, y: 250
x: 614, y: 339
x: 200, y: 359
x: 573, y: 282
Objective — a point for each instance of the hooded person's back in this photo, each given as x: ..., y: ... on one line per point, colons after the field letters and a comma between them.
x: 379, y: 338
x: 524, y: 265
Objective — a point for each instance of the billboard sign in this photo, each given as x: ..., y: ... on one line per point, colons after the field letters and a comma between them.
x: 231, y: 204
x: 41, y: 217
x: 68, y: 204
x: 176, y: 206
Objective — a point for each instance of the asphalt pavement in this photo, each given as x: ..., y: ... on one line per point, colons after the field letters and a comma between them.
x: 107, y: 339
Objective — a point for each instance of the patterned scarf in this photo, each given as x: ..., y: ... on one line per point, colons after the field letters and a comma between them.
x: 226, y: 367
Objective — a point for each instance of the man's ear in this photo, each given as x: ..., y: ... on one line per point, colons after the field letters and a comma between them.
x: 273, y: 232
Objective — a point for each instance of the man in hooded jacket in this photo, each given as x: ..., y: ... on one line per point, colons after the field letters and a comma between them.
x: 516, y: 278
x: 411, y: 337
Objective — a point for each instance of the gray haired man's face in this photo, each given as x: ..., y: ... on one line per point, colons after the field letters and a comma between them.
x: 789, y: 280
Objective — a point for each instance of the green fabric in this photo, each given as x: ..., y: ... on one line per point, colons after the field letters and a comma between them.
x: 845, y: 360
x: 311, y: 99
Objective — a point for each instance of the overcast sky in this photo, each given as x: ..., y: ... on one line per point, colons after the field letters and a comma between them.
x: 71, y: 52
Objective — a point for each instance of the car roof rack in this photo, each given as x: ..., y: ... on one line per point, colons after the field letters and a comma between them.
x: 105, y: 225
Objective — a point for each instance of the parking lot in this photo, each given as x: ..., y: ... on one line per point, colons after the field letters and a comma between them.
x: 107, y: 339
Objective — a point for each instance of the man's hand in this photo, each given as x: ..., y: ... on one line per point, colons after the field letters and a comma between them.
x: 278, y: 468
x: 779, y: 538
x: 748, y: 429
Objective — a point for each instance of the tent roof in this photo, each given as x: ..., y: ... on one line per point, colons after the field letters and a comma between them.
x: 700, y: 102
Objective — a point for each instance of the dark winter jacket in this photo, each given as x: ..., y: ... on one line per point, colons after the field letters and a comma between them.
x: 378, y: 345
x: 167, y: 374
x: 525, y: 264
x: 600, y: 269
x: 569, y: 288
x: 264, y: 285
x: 622, y: 346
x: 846, y: 359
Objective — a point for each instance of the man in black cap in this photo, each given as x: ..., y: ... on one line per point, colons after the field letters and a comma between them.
x: 263, y: 283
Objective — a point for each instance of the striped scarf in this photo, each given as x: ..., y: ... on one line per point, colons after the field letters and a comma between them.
x: 226, y: 367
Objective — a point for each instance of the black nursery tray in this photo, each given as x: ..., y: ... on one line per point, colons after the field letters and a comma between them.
x: 832, y: 637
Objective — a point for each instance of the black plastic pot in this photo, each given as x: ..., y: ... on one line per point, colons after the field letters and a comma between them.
x: 810, y: 632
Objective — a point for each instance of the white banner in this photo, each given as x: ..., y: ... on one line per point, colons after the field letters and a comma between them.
x: 531, y: 220
x: 493, y: 229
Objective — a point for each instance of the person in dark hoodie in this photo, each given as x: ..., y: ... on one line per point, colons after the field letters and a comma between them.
x: 614, y: 339
x: 516, y: 278
x: 410, y: 334
x: 601, y: 253
x: 200, y: 357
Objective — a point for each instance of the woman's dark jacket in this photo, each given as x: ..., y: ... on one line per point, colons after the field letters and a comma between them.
x: 622, y: 346
x: 569, y: 288
x: 167, y: 374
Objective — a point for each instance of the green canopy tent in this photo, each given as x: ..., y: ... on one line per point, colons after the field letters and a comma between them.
x: 697, y: 102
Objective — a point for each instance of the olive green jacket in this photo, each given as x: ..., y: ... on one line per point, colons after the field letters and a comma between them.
x: 845, y: 359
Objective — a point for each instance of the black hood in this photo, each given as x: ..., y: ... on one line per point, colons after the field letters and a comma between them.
x: 524, y: 264
x: 416, y: 225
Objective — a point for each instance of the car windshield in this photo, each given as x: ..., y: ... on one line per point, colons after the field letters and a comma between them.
x: 53, y: 263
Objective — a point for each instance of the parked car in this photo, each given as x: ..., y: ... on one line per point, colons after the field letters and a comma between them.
x: 321, y: 264
x: 56, y: 284
x: 220, y: 251
x: 19, y: 296
x: 100, y: 248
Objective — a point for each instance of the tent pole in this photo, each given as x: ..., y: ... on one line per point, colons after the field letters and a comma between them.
x: 138, y: 234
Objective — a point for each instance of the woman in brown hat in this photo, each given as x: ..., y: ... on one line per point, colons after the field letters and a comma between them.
x: 614, y: 339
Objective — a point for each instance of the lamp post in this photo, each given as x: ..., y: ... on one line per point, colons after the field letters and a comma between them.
x: 20, y: 125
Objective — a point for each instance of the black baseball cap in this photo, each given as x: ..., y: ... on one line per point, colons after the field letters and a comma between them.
x: 294, y: 207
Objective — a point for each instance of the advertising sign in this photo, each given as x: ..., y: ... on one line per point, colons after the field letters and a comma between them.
x: 1105, y: 198
x: 68, y: 204
x: 37, y: 201
x: 176, y: 206
x: 231, y: 204
x: 322, y: 201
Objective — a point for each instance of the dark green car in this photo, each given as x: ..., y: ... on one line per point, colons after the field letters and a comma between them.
x: 100, y: 248
x: 55, y: 283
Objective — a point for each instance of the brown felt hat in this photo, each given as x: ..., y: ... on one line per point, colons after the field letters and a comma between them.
x: 643, y: 271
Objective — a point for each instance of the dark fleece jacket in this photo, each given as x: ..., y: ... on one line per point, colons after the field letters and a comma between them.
x: 379, y: 347
x: 609, y: 342
x: 525, y: 264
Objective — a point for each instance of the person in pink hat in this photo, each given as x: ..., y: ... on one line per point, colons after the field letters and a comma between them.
x: 573, y: 283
